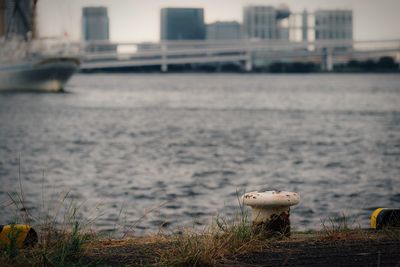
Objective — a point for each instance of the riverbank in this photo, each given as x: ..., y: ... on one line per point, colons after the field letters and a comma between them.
x: 355, y: 248
x: 229, y: 247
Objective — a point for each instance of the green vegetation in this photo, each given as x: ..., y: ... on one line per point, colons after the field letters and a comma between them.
x: 69, y: 243
x: 60, y: 244
x: 340, y: 227
x: 392, y: 233
x: 221, y: 240
x: 295, y: 67
x: 384, y: 64
x: 224, y: 238
x: 55, y: 249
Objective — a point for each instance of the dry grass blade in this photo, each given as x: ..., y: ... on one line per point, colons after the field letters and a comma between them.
x: 220, y: 241
x: 340, y: 227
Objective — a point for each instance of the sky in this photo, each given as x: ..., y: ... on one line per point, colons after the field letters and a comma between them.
x: 139, y: 20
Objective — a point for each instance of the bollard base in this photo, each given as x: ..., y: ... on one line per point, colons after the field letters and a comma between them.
x: 270, y: 211
x: 271, y: 223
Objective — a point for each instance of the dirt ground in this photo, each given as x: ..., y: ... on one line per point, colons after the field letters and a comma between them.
x: 299, y: 250
x: 326, y: 253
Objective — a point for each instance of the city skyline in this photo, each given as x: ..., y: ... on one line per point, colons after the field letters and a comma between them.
x: 372, y: 20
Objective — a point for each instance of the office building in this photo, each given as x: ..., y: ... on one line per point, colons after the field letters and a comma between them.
x: 182, y: 24
x: 304, y: 22
x: 95, y: 24
x: 333, y: 25
x: 224, y: 30
x: 16, y: 18
x: 265, y: 22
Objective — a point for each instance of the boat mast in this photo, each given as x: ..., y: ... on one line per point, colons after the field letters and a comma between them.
x: 34, y: 17
x: 2, y: 17
x: 19, y: 16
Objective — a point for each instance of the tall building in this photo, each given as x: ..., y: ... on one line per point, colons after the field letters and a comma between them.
x: 182, y: 24
x: 265, y: 22
x: 224, y: 30
x: 333, y: 25
x: 304, y: 22
x: 2, y: 17
x: 95, y: 24
x: 17, y: 17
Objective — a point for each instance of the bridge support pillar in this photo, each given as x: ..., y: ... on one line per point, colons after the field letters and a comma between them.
x: 248, y: 65
x: 398, y: 57
x: 164, y: 67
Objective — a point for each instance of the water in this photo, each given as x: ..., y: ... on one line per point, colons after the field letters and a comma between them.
x: 151, y: 151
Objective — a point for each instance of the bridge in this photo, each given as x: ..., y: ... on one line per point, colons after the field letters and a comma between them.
x: 248, y: 53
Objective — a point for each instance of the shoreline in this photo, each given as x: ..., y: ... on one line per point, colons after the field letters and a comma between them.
x: 229, y: 245
x: 348, y: 248
x: 156, y: 71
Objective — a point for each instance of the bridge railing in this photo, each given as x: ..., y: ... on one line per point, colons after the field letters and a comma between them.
x: 169, y: 52
x: 176, y: 47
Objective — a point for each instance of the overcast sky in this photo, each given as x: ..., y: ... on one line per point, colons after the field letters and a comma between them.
x: 139, y: 20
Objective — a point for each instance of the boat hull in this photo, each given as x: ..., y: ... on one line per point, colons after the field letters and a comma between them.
x: 50, y: 74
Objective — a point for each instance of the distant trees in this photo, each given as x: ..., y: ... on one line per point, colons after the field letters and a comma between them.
x: 384, y: 64
x: 295, y: 67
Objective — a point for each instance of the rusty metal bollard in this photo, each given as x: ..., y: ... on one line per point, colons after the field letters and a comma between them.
x: 270, y: 211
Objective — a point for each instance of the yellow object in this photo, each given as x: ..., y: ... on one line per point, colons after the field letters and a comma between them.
x: 22, y: 235
x: 374, y: 216
x: 385, y: 218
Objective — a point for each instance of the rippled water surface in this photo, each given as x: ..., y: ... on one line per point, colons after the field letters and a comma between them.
x: 173, y: 150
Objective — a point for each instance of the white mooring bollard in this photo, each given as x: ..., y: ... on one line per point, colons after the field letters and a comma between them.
x: 270, y: 211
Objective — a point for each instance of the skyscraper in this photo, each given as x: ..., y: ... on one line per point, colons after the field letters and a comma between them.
x: 95, y: 24
x: 224, y: 30
x: 334, y: 25
x: 182, y: 24
x: 264, y: 22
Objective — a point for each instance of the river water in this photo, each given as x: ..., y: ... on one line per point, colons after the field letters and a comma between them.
x: 148, y: 151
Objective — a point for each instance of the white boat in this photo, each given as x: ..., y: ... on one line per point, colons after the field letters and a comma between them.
x: 44, y: 74
x: 29, y: 63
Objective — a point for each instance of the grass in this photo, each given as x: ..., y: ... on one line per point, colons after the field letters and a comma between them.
x: 70, y: 243
x: 66, y: 243
x: 223, y: 239
x: 222, y: 242
x: 392, y: 233
x: 335, y: 227
x: 60, y: 244
x: 63, y: 249
x: 344, y: 228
